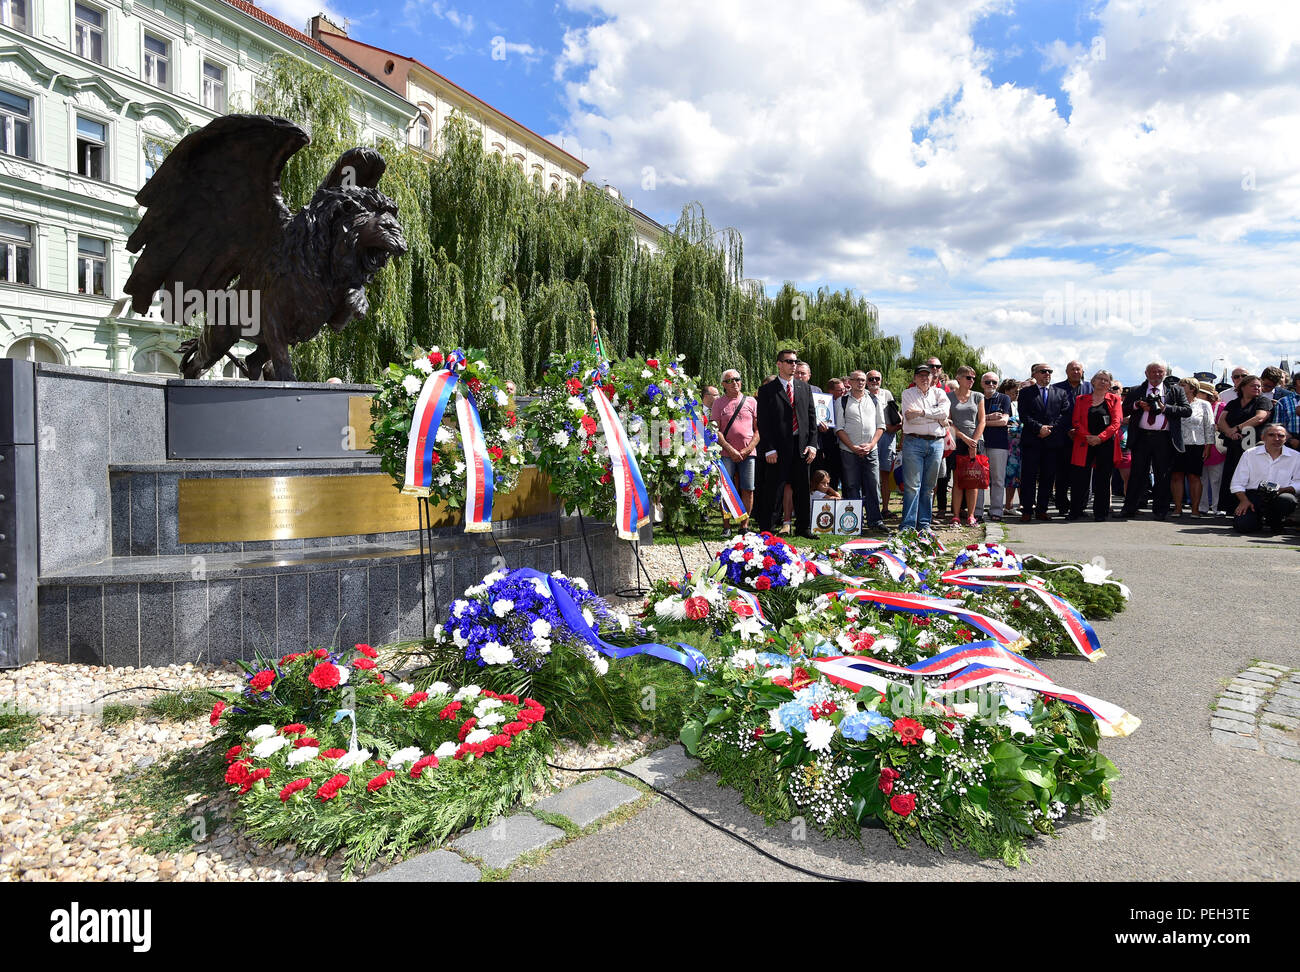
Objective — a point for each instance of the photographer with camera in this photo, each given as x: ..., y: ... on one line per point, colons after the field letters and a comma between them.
x: 1265, y: 483
x: 1155, y: 433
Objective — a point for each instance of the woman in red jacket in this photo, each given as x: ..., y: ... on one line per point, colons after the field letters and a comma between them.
x: 1097, y: 421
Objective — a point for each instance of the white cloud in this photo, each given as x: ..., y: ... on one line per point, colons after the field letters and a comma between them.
x: 865, y: 145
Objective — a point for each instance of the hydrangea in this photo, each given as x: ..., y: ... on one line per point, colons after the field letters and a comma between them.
x: 858, y: 725
x: 793, y: 715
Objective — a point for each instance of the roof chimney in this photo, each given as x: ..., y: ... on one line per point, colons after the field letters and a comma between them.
x: 321, y: 24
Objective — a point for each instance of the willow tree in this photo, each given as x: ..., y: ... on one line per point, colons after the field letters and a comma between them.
x: 320, y: 103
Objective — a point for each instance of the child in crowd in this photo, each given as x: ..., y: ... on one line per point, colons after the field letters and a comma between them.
x: 819, y: 486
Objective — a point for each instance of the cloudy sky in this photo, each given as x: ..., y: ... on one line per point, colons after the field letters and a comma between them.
x: 1113, y: 181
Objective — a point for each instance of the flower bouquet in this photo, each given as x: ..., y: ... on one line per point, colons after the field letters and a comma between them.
x: 431, y: 763
x: 760, y: 562
x: 392, y: 410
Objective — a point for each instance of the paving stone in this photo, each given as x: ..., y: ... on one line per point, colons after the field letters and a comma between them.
x: 1233, y: 740
x: 1284, y: 707
x: 1231, y: 725
x: 1286, y: 752
x: 501, y: 842
x: 1241, y: 705
x: 1247, y: 696
x: 440, y: 866
x: 662, y: 766
x: 1260, y: 670
x: 1273, y: 668
x: 1289, y: 722
x: 1253, y: 687
x: 1287, y: 738
x: 1234, y: 714
x: 588, y: 802
x: 1288, y: 691
x: 1250, y: 676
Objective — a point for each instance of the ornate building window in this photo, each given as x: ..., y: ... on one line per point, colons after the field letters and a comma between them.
x: 15, y: 252
x: 214, y: 86
x: 157, y: 61
x: 88, y: 33
x: 92, y: 266
x: 15, y: 125
x: 13, y: 13
x: 92, y: 149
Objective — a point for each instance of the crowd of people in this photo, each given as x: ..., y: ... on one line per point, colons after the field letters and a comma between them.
x: 969, y: 446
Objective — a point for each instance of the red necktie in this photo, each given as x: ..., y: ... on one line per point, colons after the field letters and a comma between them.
x: 790, y: 388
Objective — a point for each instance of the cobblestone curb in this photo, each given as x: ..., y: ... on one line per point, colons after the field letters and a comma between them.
x: 1260, y: 710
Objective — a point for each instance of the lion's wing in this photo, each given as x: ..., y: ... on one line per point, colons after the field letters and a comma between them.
x: 214, y: 208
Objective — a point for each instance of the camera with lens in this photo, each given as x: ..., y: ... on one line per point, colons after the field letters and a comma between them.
x: 1267, y: 491
x: 1155, y: 403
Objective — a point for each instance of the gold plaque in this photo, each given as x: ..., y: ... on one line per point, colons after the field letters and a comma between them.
x: 293, y: 507
x: 359, y: 422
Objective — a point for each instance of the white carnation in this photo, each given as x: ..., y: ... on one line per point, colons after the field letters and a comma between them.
x: 576, y: 404
x: 422, y: 364
x: 494, y: 653
x: 468, y: 692
x: 263, y: 731
x: 478, y: 736
x: 411, y: 385
x: 502, y: 607
x: 485, y: 706
x: 589, y: 617
x: 560, y: 438
x: 493, y: 719
x: 445, y: 750
x: 541, y: 628
x: 439, y: 688
x: 303, y: 755
x: 745, y: 658
x: 354, y: 758
x: 403, y: 756
x: 268, y: 746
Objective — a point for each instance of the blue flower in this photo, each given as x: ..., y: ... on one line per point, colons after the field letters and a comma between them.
x: 772, y: 659
x: 860, y: 724
x: 652, y: 392
x: 793, y: 715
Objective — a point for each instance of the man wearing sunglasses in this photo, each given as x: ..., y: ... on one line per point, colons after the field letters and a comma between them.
x: 1046, y: 417
x: 787, y: 428
x: 997, y: 444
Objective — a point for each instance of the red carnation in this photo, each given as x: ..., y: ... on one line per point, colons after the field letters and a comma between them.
x: 292, y: 788
x: 697, y: 608
x: 865, y: 641
x: 589, y: 425
x: 237, y: 772
x: 698, y: 492
x: 737, y: 546
x: 380, y: 781
x: 511, y: 419
x: 331, y: 753
x: 908, y: 731
x: 606, y: 479
x: 216, y: 712
x: 449, y: 710
x: 293, y: 728
x: 367, y: 651
x: 495, y: 452
x: 324, y: 676
x: 467, y: 728
x: 434, y: 458
x: 1015, y: 602
x: 574, y: 386
x: 672, y: 428
x: 414, y: 699
x: 512, y: 699
x: 233, y: 753
x: 261, y: 773
x: 965, y: 634
x: 363, y: 663
x: 290, y: 658
x: 534, y: 704
x: 749, y: 555
x: 763, y: 583
x: 320, y: 653
x: 514, y: 728
x: 902, y: 803
x: 305, y: 741
x: 652, y: 362
x: 419, y: 765
x: 435, y: 358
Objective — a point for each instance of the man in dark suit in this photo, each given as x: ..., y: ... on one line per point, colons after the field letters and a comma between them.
x: 1073, y: 386
x: 1155, y: 415
x: 1046, y: 416
x: 787, y: 433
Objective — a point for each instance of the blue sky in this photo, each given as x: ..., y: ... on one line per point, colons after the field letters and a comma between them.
x: 953, y: 160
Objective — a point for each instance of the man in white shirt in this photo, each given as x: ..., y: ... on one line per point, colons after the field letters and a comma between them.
x: 1228, y: 394
x: 1265, y: 483
x: 860, y: 422
x: 925, y: 419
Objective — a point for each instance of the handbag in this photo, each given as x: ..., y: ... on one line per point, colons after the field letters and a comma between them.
x: 972, y: 472
x: 949, y: 442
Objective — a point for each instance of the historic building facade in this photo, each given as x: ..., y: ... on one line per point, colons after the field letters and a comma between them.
x: 92, y: 92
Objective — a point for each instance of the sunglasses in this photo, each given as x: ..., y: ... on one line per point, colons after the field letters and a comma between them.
x: 1043, y: 371
x: 786, y: 360
x: 728, y: 381
x: 987, y: 382
x: 873, y: 379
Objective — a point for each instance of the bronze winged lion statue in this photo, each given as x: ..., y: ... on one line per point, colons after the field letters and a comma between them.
x: 216, y: 225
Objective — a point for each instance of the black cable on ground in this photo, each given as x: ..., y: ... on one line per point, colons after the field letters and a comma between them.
x: 716, y: 826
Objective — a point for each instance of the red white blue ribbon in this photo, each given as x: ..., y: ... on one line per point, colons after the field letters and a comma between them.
x: 631, y: 502
x: 1077, y: 628
x: 921, y: 604
x: 948, y: 662
x: 894, y: 565
x: 1111, y: 719
x: 727, y: 492
x: 421, y: 446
